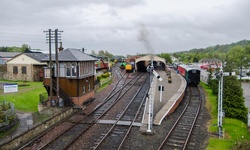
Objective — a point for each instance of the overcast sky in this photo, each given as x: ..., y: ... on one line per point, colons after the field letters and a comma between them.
x: 124, y: 27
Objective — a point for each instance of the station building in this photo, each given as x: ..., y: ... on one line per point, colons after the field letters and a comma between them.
x: 70, y: 77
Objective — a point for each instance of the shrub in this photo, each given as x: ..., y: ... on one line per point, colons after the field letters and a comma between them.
x: 105, y: 75
x: 99, y: 77
x: 233, y: 100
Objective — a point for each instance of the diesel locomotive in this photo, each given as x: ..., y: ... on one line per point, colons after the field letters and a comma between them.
x: 123, y: 65
x: 191, y: 74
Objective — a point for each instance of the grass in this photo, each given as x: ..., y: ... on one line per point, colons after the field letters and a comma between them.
x: 27, y: 97
x: 234, y: 130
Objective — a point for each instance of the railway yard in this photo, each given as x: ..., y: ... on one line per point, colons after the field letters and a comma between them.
x: 114, y: 119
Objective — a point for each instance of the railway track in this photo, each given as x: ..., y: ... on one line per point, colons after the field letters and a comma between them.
x: 179, y: 135
x: 121, y: 127
x: 106, y: 124
x: 77, y: 125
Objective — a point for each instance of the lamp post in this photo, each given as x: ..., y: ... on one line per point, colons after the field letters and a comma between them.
x: 220, y: 100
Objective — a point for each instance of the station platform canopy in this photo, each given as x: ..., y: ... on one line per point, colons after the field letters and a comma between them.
x: 150, y: 57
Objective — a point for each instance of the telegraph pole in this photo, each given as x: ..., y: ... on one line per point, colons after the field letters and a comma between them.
x: 54, y: 39
x: 50, y: 61
x: 57, y: 65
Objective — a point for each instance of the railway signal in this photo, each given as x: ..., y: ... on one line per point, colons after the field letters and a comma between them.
x: 157, y: 75
x: 161, y: 88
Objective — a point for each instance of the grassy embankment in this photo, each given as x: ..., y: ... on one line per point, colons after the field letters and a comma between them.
x: 234, y: 130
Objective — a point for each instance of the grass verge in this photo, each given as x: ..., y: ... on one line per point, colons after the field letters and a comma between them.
x: 235, y: 131
x: 27, y: 97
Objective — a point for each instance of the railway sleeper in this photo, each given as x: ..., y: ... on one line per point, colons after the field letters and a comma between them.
x: 186, y: 125
x: 191, y: 145
x: 184, y: 129
x: 190, y: 113
x: 174, y: 145
x: 180, y: 134
x: 178, y: 137
x: 177, y: 141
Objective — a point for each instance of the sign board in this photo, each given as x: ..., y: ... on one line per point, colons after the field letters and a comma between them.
x: 226, y: 73
x: 10, y: 87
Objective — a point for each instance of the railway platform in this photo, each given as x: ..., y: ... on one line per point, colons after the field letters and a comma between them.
x: 164, y: 102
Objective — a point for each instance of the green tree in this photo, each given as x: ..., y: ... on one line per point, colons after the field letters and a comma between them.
x: 101, y: 53
x: 25, y: 47
x: 167, y: 57
x: 233, y: 100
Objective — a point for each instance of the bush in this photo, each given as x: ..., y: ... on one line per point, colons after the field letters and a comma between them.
x: 99, y: 77
x: 105, y: 75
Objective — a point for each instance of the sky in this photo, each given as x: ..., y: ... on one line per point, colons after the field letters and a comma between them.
x: 125, y: 27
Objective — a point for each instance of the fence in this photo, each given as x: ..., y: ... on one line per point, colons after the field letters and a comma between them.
x: 7, y: 114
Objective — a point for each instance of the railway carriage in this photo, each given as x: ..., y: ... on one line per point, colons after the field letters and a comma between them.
x: 192, y: 75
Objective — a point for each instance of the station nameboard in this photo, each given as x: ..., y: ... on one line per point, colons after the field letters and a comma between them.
x: 228, y: 73
x: 10, y: 87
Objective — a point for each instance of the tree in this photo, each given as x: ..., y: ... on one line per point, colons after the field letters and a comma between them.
x: 93, y: 52
x: 233, y: 100
x: 25, y: 47
x: 167, y: 57
x: 101, y: 53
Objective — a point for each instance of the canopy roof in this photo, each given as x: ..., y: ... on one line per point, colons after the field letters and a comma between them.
x: 150, y: 57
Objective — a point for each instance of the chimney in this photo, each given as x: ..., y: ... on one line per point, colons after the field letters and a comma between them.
x: 83, y: 49
x: 60, y: 48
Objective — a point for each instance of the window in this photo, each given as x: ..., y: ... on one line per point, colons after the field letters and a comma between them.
x: 68, y: 66
x: 74, y: 67
x: 24, y: 70
x: 15, y: 69
x: 89, y: 86
x: 47, y: 72
x: 71, y: 69
x: 85, y: 67
x: 81, y: 69
x: 61, y: 70
x: 83, y: 89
